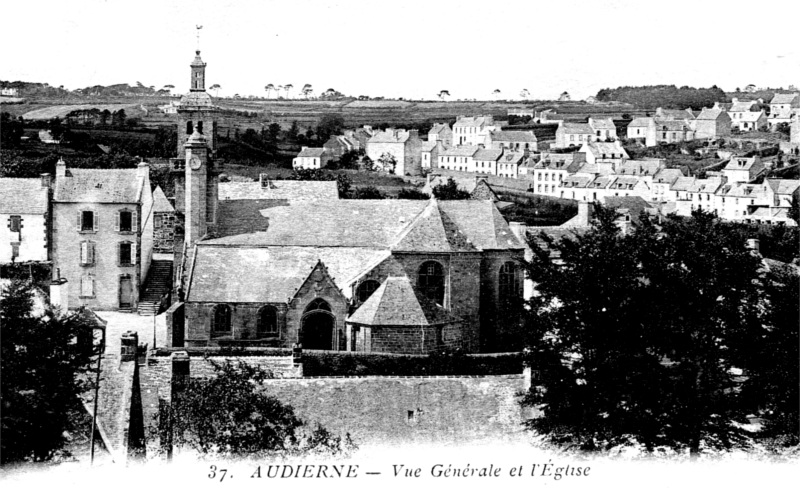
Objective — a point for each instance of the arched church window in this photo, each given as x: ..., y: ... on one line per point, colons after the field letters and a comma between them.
x: 509, y: 281
x: 189, y: 128
x: 267, y: 322
x: 366, y: 289
x: 221, y: 320
x: 318, y: 305
x: 431, y: 281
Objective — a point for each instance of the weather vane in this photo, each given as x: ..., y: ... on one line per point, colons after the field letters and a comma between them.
x: 198, y: 36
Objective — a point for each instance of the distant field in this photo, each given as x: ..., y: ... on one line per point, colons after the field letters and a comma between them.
x: 131, y: 110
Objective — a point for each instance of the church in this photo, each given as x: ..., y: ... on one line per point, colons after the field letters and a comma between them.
x: 279, y: 263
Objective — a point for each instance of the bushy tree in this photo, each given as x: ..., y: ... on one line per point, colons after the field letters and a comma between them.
x: 230, y: 414
x: 639, y: 336
x: 449, y: 191
x: 42, y: 363
x: 412, y: 194
x: 367, y: 193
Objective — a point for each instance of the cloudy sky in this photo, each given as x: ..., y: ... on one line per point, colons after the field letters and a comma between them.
x: 409, y: 48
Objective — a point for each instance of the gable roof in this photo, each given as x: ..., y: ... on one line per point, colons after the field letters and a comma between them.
x: 311, y: 152
x: 22, y: 196
x: 99, y: 186
x: 783, y: 186
x: 633, y: 205
x: 639, y: 168
x: 752, y: 116
x: 273, y: 274
x: 640, y: 122
x: 784, y: 98
x: 667, y: 176
x: 513, y: 136
x: 674, y: 114
x: 672, y: 125
x: 741, y: 163
x: 600, y: 148
x: 290, y: 190
x: 160, y: 202
x: 477, y: 121
x: 602, y: 124
x: 487, y: 154
x: 579, y: 128
x: 741, y: 106
x: 390, y: 136
x: 710, y: 114
x: 439, y: 128
x: 396, y: 303
x: 461, y: 151
x: 432, y: 231
x: 511, y: 157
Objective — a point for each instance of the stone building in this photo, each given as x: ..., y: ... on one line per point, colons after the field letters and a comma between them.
x: 24, y: 219
x: 163, y: 223
x: 266, y: 281
x: 712, y: 123
x: 103, y: 234
x: 441, y: 132
x: 472, y: 130
x: 311, y: 158
x: 404, y: 146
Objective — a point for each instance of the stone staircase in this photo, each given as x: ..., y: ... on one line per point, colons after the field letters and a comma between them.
x: 158, y: 283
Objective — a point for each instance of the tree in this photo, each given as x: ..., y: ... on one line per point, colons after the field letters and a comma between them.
x: 524, y: 94
x: 42, y: 364
x: 412, y: 194
x: 496, y: 93
x: 367, y: 193
x: 387, y: 162
x: 443, y: 94
x: 215, y: 88
x: 11, y: 130
x: 269, y: 88
x: 330, y: 124
x: 449, y: 191
x: 671, y: 310
x: 307, y: 90
x: 287, y: 88
x: 243, y: 420
x: 293, y: 131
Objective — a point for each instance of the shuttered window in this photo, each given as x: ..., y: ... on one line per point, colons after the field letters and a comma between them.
x: 87, y: 253
x: 126, y: 221
x: 87, y: 221
x: 87, y: 285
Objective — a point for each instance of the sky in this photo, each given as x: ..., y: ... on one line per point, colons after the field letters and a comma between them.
x: 411, y: 49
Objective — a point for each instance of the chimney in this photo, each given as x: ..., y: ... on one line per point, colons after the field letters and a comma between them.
x: 754, y: 245
x: 47, y: 180
x: 142, y: 170
x: 61, y: 168
x: 129, y: 344
x: 584, y: 214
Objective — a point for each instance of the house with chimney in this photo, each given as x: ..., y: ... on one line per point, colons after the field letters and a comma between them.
x: 311, y: 158
x: 571, y: 134
x: 517, y: 141
x: 712, y: 123
x: 441, y: 132
x: 103, y: 234
x: 472, y: 130
x: 743, y: 169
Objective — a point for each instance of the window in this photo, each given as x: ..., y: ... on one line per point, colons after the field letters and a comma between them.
x: 87, y: 285
x: 125, y: 221
x: 221, y: 320
x: 15, y: 223
x: 366, y: 289
x: 509, y: 281
x: 87, y: 253
x: 87, y: 221
x: 431, y: 281
x: 126, y: 253
x: 267, y: 322
x: 318, y: 305
x: 157, y: 221
x: 14, y: 251
x: 189, y: 128
x: 199, y: 127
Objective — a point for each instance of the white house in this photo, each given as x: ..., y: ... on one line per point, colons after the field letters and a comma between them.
x: 310, y: 158
x: 472, y: 130
x: 24, y: 219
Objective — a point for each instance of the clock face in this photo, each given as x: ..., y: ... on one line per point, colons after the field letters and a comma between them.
x: 195, y: 163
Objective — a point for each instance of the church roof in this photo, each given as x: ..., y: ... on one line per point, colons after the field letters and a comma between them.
x: 358, y: 223
x: 395, y: 303
x: 432, y: 231
x: 196, y: 99
x: 269, y: 274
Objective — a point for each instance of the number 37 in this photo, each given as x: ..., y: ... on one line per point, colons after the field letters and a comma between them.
x: 212, y: 473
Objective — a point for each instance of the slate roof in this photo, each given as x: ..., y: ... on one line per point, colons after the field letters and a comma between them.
x: 432, y: 231
x: 683, y: 183
x: 710, y: 114
x: 22, y: 196
x: 600, y: 148
x: 160, y: 202
x: 513, y: 136
x: 311, y: 152
x: 461, y: 151
x: 784, y: 98
x: 487, y: 154
x: 512, y: 157
x: 741, y: 106
x: 472, y: 121
x: 439, y: 128
x: 395, y: 303
x: 603, y: 124
x: 270, y: 274
x: 290, y: 190
x: 640, y: 122
x: 674, y: 114
x: 427, y: 146
x: 783, y: 186
x: 752, y: 116
x: 98, y: 186
x: 633, y: 205
x: 740, y: 163
x: 639, y: 168
x: 671, y: 125
x: 390, y: 136
x: 624, y: 183
x: 579, y: 128
x: 355, y: 223
x: 576, y: 181
x: 667, y: 176
x: 742, y: 190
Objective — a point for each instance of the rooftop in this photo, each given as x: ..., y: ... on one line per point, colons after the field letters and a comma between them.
x: 22, y: 196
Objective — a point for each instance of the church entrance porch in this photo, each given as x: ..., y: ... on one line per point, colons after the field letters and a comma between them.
x: 317, y: 331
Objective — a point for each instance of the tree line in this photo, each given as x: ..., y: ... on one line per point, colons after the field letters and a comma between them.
x: 665, y: 96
